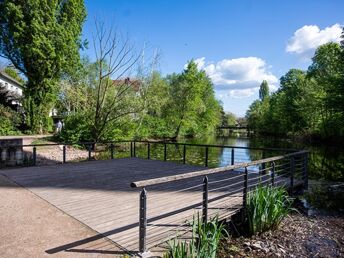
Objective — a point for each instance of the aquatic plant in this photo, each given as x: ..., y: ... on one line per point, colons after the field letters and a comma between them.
x: 266, y: 207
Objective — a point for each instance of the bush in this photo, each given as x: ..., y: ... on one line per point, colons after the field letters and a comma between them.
x: 76, y: 128
x: 204, y: 242
x: 266, y: 207
x: 10, y: 121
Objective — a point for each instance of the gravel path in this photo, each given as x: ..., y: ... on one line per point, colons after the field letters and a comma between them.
x: 29, y: 227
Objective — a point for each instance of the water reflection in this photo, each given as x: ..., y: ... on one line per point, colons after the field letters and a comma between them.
x: 325, y: 162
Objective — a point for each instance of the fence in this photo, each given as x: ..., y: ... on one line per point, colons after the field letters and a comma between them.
x: 213, y: 192
x: 196, y: 154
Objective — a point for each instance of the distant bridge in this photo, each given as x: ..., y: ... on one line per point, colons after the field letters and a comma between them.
x: 233, y: 128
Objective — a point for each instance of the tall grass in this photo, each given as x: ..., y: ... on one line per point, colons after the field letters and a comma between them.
x: 266, y: 207
x: 204, y: 242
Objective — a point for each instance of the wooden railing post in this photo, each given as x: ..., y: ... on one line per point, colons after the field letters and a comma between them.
x: 143, y: 221
x: 206, y: 156
x: 34, y: 156
x: 232, y: 157
x: 245, y: 190
x: 205, y: 200
x: 292, y: 170
x: 184, y: 154
x: 273, y: 174
x: 148, y: 150
x: 305, y: 172
x: 165, y: 151
x: 64, y: 154
x: 112, y: 148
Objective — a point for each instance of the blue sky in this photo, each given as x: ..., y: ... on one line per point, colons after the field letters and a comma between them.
x: 238, y: 43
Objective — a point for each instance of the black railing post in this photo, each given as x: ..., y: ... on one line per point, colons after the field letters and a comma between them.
x: 112, y: 153
x: 205, y: 200
x: 131, y: 149
x: 232, y: 157
x: 184, y: 154
x: 292, y: 170
x: 148, y: 150
x: 165, y: 151
x: 134, y: 148
x: 143, y: 221
x: 206, y: 156
x: 245, y: 190
x: 89, y: 152
x: 273, y: 174
x: 34, y: 156
x: 305, y: 172
x: 64, y: 154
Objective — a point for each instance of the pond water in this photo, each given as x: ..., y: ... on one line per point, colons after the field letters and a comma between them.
x: 325, y: 162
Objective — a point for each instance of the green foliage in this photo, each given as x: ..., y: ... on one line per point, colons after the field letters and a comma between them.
x: 264, y: 90
x: 77, y: 128
x: 266, y: 207
x: 193, y: 108
x: 10, y: 121
x: 308, y: 102
x: 228, y: 119
x: 14, y: 74
x: 204, y: 243
x: 42, y: 40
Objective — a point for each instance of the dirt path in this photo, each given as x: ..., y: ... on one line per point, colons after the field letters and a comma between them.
x: 31, y: 227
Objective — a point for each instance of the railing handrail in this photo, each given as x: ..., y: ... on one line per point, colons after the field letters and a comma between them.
x: 160, y: 180
x: 151, y: 142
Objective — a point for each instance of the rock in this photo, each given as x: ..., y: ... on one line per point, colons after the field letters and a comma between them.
x: 246, y: 244
x: 248, y: 249
x: 256, y: 246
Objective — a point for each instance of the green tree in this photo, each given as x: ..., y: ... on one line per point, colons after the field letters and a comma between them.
x: 42, y: 40
x: 193, y: 107
x: 264, y: 90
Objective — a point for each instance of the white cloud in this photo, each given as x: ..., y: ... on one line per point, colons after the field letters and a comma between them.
x: 306, y: 39
x: 200, y: 62
x: 239, y: 94
x: 239, y: 77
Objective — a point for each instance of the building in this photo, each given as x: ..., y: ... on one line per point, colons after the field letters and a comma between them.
x: 13, y: 88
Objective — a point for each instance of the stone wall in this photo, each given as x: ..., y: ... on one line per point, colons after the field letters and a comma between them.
x: 11, y: 152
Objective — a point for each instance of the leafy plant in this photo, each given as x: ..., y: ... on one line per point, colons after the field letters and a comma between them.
x: 204, y: 242
x: 266, y: 207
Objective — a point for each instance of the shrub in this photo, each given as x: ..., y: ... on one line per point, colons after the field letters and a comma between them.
x: 266, y: 207
x: 204, y: 242
x: 10, y: 121
x: 77, y: 128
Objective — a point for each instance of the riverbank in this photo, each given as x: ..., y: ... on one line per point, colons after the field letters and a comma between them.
x: 297, y: 236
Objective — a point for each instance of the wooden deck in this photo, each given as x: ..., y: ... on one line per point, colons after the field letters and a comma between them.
x: 98, y: 194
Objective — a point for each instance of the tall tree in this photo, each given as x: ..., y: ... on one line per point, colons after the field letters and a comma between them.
x: 42, y: 40
x: 264, y: 90
x: 193, y: 107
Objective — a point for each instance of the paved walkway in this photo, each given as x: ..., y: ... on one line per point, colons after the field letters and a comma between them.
x: 30, y: 227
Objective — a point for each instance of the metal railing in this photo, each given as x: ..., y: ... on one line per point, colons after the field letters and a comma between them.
x: 219, y: 186
x: 111, y: 146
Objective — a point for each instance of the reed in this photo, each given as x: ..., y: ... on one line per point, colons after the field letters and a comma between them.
x: 266, y: 207
x: 204, y: 242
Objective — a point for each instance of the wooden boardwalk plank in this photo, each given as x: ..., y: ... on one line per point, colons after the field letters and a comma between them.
x: 98, y: 194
